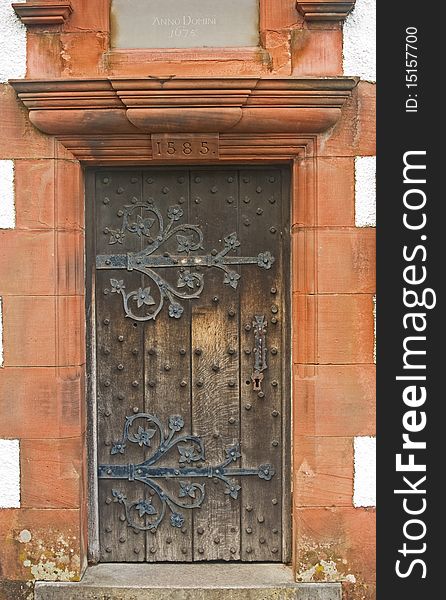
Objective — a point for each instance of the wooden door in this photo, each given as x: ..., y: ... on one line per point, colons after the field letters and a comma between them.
x: 192, y: 362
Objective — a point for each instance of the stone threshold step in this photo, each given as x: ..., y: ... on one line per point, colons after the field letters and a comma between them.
x: 187, y: 582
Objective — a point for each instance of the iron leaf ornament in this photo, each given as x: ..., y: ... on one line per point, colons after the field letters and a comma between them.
x: 156, y: 231
x: 143, y: 429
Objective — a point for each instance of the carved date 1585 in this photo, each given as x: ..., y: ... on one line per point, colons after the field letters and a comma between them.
x: 185, y: 147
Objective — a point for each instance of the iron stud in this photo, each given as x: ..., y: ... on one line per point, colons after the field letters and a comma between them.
x: 200, y: 383
x: 136, y: 410
x: 181, y: 179
x: 198, y: 351
x: 231, y: 383
x: 106, y: 351
x: 275, y: 413
x: 106, y: 180
x: 215, y: 368
x: 107, y: 413
x: 214, y: 189
x: 247, y: 222
x: 249, y: 530
x: 183, y: 383
x: 230, y: 179
x: 248, y: 351
x: 120, y: 338
x: 274, y: 383
x: 200, y: 550
x: 273, y: 290
x: 274, y: 309
x: 152, y: 383
x: 108, y: 529
x: 135, y: 351
x: 248, y: 550
x: 232, y: 550
x: 261, y: 394
x: 272, y: 230
x: 106, y: 321
x: 197, y: 179
x: 229, y: 199
x: 249, y: 508
x: 231, y: 312
x: 275, y: 530
x: 260, y: 211
x: 152, y: 550
x: 216, y: 436
x: 274, y: 501
x: 274, y: 350
x: 183, y: 530
x: 259, y: 190
x: 167, y: 367
x: 108, y: 549
x: 214, y: 252
x: 247, y: 327
x: 122, y: 539
x: 152, y: 351
x: 231, y: 420
x: 165, y: 190
x: 182, y: 352
x: 272, y: 200
x: 120, y: 190
x: 107, y: 383
x: 184, y: 550
x: 120, y: 367
x: 248, y: 406
x: 168, y: 540
x: 274, y: 443
x: 137, y: 550
x: 261, y: 519
x: 200, y: 531
x: 197, y: 200
x: 216, y: 540
x: 215, y: 299
x: 275, y: 550
x: 135, y: 383
x: 231, y: 351
x: 274, y: 320
x: 108, y: 501
x: 262, y: 540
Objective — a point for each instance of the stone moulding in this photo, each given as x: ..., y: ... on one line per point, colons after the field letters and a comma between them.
x: 325, y: 10
x: 42, y: 13
x: 136, y: 108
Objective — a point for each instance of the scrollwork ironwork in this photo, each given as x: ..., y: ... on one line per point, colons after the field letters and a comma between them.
x: 191, y: 494
x: 189, y: 238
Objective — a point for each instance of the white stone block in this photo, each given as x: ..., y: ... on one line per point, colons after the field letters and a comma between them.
x: 365, y: 472
x: 360, y: 41
x: 365, y: 191
x: 7, y: 208
x: 12, y: 43
x: 9, y: 474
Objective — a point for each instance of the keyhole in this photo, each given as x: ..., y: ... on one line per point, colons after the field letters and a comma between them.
x: 256, y: 384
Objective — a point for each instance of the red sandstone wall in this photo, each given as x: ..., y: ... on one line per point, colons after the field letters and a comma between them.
x: 42, y: 400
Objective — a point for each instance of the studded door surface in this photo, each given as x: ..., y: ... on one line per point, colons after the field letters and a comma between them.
x: 190, y: 304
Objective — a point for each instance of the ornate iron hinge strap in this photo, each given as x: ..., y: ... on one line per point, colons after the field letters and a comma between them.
x: 189, y: 238
x: 191, y: 450
x: 259, y: 327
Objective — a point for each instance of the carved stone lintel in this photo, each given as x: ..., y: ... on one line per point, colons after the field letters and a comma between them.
x: 325, y: 10
x: 39, y: 12
x: 135, y: 108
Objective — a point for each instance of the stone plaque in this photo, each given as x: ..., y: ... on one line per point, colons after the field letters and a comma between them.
x: 183, y: 147
x: 184, y: 23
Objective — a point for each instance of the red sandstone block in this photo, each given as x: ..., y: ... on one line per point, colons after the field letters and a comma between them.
x: 70, y: 328
x: 336, y: 191
x: 45, y: 403
x: 337, y: 400
x: 27, y: 262
x: 278, y: 14
x: 35, y: 542
x: 303, y: 251
x: 345, y: 536
x: 70, y: 262
x: 69, y: 201
x: 355, y: 132
x: 34, y: 194
x: 19, y: 138
x: 29, y: 330
x: 44, y: 55
x: 88, y: 15
x: 333, y: 329
x: 346, y: 261
x: 51, y: 472
x: 323, y: 471
x: 82, y: 53
x: 317, y: 52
